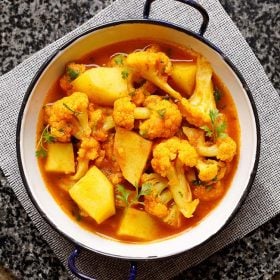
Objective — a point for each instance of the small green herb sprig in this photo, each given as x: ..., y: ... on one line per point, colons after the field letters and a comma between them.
x: 218, y: 126
x: 124, y: 194
x: 118, y: 59
x: 161, y: 112
x: 76, y: 113
x: 125, y: 74
x: 73, y: 74
x: 207, y: 185
x: 217, y: 95
x: 45, y: 138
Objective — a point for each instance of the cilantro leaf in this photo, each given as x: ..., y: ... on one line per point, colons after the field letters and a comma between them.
x: 47, y: 137
x: 220, y: 129
x: 41, y: 153
x: 218, y: 126
x: 145, y: 189
x: 123, y: 194
x: 208, y: 131
x: 217, y: 95
x: 73, y: 74
x: 119, y: 59
x: 213, y: 114
x: 76, y: 113
x: 125, y: 74
x: 197, y: 182
x: 161, y: 113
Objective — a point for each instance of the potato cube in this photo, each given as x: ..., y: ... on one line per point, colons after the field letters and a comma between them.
x: 94, y: 194
x: 103, y: 85
x: 138, y: 225
x: 183, y: 76
x: 60, y: 158
x: 132, y: 152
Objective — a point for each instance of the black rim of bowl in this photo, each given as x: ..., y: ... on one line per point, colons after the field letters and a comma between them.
x: 116, y: 23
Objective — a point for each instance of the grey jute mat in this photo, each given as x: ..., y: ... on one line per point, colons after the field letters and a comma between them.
x: 263, y: 201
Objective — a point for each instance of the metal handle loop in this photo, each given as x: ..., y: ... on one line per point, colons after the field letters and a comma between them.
x: 71, y: 265
x: 194, y: 4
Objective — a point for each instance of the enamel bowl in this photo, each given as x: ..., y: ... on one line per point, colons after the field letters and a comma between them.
x: 97, y: 38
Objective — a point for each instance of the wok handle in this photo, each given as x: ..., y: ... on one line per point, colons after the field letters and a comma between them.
x: 80, y: 275
x: 192, y: 3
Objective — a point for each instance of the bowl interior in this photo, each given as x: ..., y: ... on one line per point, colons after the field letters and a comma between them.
x: 207, y: 227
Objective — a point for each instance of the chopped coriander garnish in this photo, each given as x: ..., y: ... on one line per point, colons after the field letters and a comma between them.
x: 213, y: 114
x: 125, y: 74
x: 208, y: 131
x: 46, y: 137
x: 180, y: 193
x: 78, y: 217
x: 161, y: 112
x: 119, y: 59
x: 76, y: 113
x: 123, y: 194
x: 217, y: 95
x: 209, y: 188
x: 218, y: 127
x: 76, y: 213
x: 132, y: 93
x: 221, y: 130
x: 73, y: 74
x: 145, y: 190
x: 42, y: 153
x: 215, y: 179
x: 197, y: 182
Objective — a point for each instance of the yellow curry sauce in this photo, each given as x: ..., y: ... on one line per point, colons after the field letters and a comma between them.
x: 109, y: 227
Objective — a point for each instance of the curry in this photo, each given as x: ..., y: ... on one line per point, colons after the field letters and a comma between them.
x: 139, y: 140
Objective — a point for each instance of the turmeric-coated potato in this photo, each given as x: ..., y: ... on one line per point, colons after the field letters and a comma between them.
x: 60, y: 158
x: 94, y: 194
x: 132, y: 152
x: 103, y: 85
x: 137, y: 224
x: 183, y: 75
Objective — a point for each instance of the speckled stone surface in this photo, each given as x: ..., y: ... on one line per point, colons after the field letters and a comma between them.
x: 27, y: 26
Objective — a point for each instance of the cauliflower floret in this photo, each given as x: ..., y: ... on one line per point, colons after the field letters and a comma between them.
x: 161, y: 117
x: 169, y: 157
x: 72, y: 71
x: 209, y: 193
x: 164, y: 121
x: 224, y: 149
x: 139, y: 94
x: 154, y: 67
x: 68, y: 117
x: 123, y: 113
x: 100, y: 122
x: 157, y: 202
x: 167, y: 151
x: 208, y: 169
x: 107, y: 161
x: 89, y: 150
x: 153, y: 202
x: 196, y: 109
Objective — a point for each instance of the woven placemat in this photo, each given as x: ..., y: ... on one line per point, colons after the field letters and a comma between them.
x: 263, y: 201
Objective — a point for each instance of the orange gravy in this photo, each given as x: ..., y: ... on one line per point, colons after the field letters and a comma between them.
x: 110, y: 226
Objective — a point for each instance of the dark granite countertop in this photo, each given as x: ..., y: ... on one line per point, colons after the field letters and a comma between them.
x: 29, y: 25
